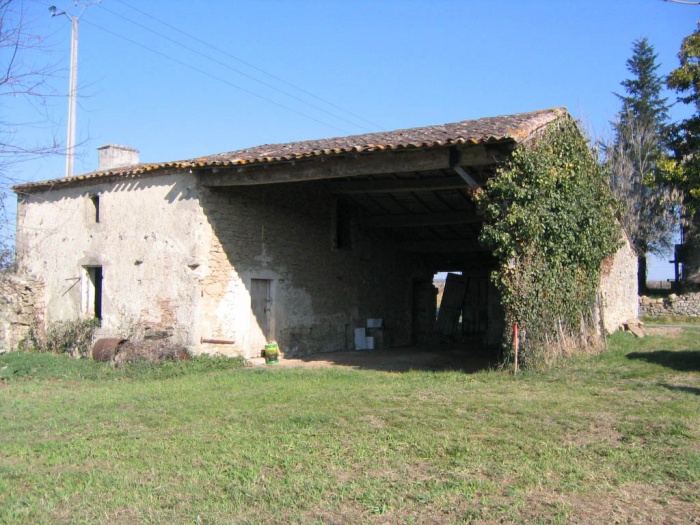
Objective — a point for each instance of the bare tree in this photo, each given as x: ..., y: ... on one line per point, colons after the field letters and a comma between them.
x: 651, y: 210
x: 20, y: 79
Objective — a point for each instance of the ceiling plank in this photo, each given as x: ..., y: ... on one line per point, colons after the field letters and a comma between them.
x: 408, y: 220
x: 441, y: 246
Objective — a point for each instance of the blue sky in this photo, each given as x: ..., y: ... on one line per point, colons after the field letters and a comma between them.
x: 382, y: 65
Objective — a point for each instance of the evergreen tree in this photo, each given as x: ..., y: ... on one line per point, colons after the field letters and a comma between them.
x: 639, y: 147
x: 643, y: 102
x: 684, y: 168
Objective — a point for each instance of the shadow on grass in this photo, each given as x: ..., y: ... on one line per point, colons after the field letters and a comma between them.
x: 681, y: 388
x: 681, y: 360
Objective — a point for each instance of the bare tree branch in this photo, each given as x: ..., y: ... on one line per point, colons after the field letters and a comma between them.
x: 21, y: 82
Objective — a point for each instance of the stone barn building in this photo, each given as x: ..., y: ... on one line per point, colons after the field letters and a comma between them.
x: 300, y: 243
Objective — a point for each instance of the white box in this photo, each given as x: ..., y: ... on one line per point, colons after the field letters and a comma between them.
x: 360, y: 339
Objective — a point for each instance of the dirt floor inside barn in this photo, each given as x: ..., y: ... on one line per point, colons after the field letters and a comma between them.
x: 465, y: 357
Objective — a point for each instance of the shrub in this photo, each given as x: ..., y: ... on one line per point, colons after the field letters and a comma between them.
x: 71, y: 337
x: 152, y: 351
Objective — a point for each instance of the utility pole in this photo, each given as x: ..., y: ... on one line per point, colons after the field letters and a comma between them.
x: 73, y: 84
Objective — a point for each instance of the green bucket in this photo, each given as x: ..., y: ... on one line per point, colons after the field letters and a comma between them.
x: 272, y: 353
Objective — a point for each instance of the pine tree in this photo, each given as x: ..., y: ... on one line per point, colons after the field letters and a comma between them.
x: 643, y: 101
x: 639, y: 147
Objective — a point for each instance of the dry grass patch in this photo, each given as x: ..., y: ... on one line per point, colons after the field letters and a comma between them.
x: 630, y: 503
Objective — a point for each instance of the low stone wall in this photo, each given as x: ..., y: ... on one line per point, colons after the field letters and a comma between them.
x: 21, y: 305
x: 686, y: 305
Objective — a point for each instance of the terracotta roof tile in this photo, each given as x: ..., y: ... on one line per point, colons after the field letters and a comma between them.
x: 491, y: 129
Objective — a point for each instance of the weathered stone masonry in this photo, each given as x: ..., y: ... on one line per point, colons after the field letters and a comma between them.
x: 21, y: 306
x: 284, y: 234
x: 146, y: 243
x: 687, y: 305
x: 179, y: 259
x: 618, y: 289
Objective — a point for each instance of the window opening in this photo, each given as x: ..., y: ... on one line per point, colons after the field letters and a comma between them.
x: 342, y: 226
x: 95, y: 199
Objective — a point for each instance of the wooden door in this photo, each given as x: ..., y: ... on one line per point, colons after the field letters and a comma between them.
x: 261, y: 308
x: 424, y: 307
x: 475, y: 312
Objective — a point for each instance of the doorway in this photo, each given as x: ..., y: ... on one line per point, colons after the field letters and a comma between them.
x: 463, y: 308
x: 92, y: 291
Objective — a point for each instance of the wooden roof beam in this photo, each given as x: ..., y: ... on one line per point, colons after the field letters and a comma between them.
x: 353, y: 165
x: 397, y: 186
x: 467, y: 177
x: 328, y: 168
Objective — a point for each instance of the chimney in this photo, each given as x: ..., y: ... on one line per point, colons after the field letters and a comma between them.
x: 113, y: 156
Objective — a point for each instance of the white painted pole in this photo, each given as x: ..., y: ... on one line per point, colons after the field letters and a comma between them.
x: 72, y: 98
x: 73, y: 85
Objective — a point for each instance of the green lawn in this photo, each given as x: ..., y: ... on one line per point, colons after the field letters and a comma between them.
x: 605, y: 439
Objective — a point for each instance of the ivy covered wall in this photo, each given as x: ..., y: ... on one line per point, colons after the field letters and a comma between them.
x: 550, y: 222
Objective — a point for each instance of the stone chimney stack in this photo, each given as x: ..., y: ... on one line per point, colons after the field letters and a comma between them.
x: 113, y: 156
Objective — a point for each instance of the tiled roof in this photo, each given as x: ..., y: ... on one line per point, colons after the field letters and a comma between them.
x: 515, y: 128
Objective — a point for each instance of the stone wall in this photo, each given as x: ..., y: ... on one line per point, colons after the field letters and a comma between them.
x: 21, y: 305
x: 320, y: 291
x: 187, y: 261
x: 618, y: 288
x: 142, y: 234
x: 687, y: 305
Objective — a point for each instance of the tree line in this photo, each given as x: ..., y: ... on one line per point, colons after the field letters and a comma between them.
x: 652, y: 163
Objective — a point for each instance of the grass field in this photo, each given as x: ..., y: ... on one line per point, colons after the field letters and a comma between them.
x: 613, y: 438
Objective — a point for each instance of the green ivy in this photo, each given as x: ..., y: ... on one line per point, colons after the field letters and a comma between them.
x: 550, y: 222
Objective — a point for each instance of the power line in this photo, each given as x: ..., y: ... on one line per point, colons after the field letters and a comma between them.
x: 252, y: 66
x: 335, y: 115
x: 180, y: 62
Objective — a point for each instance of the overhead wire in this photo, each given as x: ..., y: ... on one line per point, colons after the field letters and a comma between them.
x: 228, y: 66
x: 198, y: 70
x: 252, y: 66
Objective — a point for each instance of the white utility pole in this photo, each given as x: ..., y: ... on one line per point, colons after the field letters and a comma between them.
x: 73, y: 87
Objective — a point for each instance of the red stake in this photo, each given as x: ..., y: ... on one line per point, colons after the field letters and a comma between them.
x: 516, y: 344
